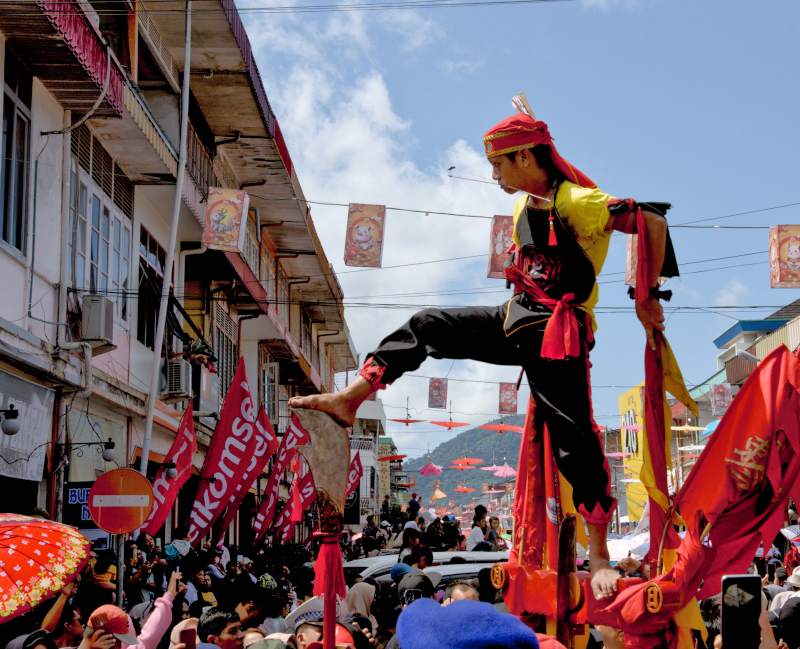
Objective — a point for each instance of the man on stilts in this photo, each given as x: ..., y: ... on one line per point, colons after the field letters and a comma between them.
x: 562, y: 229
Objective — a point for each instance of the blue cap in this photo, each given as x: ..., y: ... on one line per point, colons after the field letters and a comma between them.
x: 462, y: 625
x: 399, y: 570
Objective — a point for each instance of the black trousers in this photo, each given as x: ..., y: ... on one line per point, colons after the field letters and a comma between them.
x: 560, y: 388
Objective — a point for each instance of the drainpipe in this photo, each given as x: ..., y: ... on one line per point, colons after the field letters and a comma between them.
x: 173, y: 236
x: 66, y: 145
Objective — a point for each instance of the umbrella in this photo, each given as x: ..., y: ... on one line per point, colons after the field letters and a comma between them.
x: 37, y: 559
x: 392, y: 458
x: 461, y: 489
x: 494, y: 491
x: 462, y: 467
x: 503, y: 428
x: 438, y: 494
x: 491, y: 467
x: 505, y: 471
x: 407, y: 421
x: 450, y: 424
x: 468, y: 460
x: 791, y: 532
x: 431, y: 469
x: 710, y: 428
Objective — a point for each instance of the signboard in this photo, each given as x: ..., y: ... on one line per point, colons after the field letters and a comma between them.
x: 76, y: 505
x: 501, y: 238
x: 437, y: 393
x: 352, y: 508
x: 784, y: 256
x: 363, y: 245
x: 120, y: 501
x: 226, y: 219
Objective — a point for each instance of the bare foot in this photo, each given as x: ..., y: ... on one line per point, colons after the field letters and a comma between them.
x: 604, y: 578
x: 331, y: 403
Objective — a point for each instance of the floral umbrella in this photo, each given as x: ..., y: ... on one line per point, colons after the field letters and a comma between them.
x: 505, y: 471
x: 431, y: 469
x: 503, y: 428
x: 37, y: 559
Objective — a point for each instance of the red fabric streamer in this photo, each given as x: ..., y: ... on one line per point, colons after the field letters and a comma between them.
x: 329, y: 582
x: 561, y: 339
x: 642, y: 290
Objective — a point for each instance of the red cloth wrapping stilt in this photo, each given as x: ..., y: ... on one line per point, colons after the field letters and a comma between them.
x: 329, y: 582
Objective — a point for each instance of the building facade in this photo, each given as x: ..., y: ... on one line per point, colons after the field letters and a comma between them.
x: 91, y: 114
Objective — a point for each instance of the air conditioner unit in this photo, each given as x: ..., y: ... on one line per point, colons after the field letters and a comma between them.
x: 97, y: 323
x: 178, y: 380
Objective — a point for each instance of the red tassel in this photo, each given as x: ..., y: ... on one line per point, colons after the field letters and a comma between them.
x: 329, y: 582
x: 552, y: 241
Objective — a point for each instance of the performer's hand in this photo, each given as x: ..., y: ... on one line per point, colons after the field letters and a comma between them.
x: 651, y: 315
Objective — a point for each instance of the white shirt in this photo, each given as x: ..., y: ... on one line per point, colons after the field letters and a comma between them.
x: 475, y: 536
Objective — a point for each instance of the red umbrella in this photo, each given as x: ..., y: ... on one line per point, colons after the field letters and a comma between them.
x: 461, y: 467
x: 464, y: 490
x: 468, y: 460
x: 37, y: 559
x: 503, y: 428
x: 450, y: 424
x: 407, y: 421
x: 392, y: 458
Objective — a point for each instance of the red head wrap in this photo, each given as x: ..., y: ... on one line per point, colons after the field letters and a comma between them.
x: 521, y: 131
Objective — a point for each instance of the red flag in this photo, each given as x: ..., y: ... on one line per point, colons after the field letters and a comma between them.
x: 747, y: 470
x: 165, y: 490
x: 295, y: 436
x: 266, y: 445
x: 354, y: 474
x: 232, y: 445
x: 302, y: 494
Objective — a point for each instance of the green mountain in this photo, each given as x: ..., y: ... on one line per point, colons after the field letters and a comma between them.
x: 492, y: 447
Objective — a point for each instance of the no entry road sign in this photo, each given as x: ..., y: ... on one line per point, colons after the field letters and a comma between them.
x: 120, y: 501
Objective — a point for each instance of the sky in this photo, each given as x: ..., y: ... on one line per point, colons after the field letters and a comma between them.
x: 688, y: 102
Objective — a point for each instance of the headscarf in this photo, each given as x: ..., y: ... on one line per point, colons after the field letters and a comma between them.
x: 521, y: 131
x: 359, y: 601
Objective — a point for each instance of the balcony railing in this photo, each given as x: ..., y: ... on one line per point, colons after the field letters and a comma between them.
x: 199, y: 163
x: 361, y: 444
x: 251, y: 252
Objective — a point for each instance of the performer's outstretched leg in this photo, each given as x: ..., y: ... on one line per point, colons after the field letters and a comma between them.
x: 475, y: 333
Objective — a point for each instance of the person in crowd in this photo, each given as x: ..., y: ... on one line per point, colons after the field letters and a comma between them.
x: 413, y: 507
x: 420, y: 558
x: 101, y: 582
x: 215, y: 568
x: 276, y: 608
x: 792, y: 586
x: 220, y: 628
x: 434, y: 535
x: 199, y: 586
x: 411, y: 539
x: 421, y: 524
x: 778, y: 584
x: 369, y: 537
x: 450, y: 533
x: 414, y: 586
x: 477, y: 536
x: 69, y: 630
x: 359, y: 602
x: 494, y: 534
x: 459, y: 591
x: 386, y: 508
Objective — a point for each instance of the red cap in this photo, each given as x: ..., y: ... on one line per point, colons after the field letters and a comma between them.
x: 521, y: 131
x: 115, y: 621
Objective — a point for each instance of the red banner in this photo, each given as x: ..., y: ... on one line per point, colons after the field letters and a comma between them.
x: 303, y: 493
x: 266, y: 445
x: 437, y: 393
x: 354, y: 474
x: 165, y: 490
x: 501, y: 238
x: 232, y: 445
x: 295, y: 436
x: 508, y: 399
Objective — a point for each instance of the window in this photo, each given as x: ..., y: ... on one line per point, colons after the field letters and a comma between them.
x: 225, y: 331
x: 16, y: 135
x: 99, y: 245
x: 151, y: 276
x: 283, y: 297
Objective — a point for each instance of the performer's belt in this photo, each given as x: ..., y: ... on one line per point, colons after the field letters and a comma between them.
x: 561, y: 335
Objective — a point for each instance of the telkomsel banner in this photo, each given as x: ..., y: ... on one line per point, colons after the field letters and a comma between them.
x: 232, y: 446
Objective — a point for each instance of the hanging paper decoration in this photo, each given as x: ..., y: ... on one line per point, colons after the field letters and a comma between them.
x: 450, y: 424
x: 437, y: 393
x: 499, y: 243
x: 784, y: 256
x: 363, y: 245
x: 461, y: 489
x: 720, y: 396
x: 438, y: 494
x: 406, y: 421
x: 505, y: 471
x: 462, y: 467
x: 508, y: 399
x: 468, y: 460
x: 226, y: 219
x: 430, y: 469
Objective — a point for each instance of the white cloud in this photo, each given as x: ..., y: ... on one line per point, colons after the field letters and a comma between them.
x: 461, y: 65
x: 731, y: 293
x: 415, y: 30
